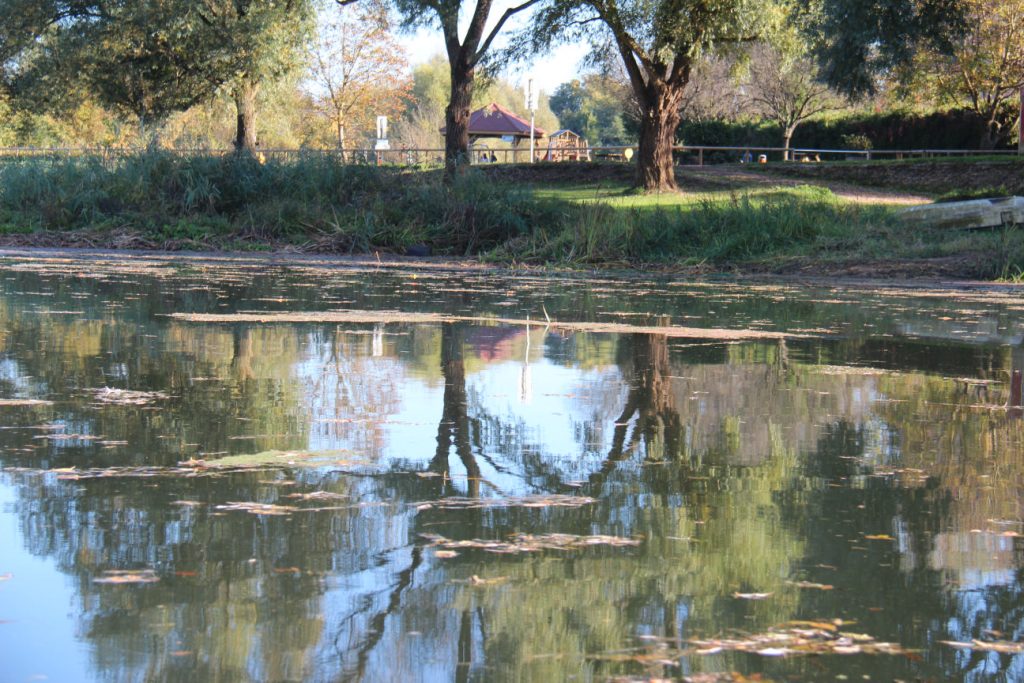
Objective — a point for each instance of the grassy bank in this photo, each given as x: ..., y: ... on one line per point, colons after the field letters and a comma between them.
x: 946, y: 178
x: 568, y: 215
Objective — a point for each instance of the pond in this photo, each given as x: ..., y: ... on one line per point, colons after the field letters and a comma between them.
x: 231, y: 469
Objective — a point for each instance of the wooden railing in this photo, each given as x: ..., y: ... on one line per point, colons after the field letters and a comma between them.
x: 684, y: 154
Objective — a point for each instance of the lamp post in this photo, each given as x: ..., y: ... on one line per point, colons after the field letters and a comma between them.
x: 531, y: 104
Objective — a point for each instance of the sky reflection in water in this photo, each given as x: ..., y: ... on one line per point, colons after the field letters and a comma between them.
x: 866, y: 470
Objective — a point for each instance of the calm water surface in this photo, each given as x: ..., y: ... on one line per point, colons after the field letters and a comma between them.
x: 277, y: 498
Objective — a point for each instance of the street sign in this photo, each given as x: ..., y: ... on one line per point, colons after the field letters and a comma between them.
x: 382, y: 133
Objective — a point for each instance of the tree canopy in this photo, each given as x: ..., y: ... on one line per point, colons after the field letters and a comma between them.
x: 146, y: 59
x: 659, y: 42
x: 466, y: 52
x: 858, y: 41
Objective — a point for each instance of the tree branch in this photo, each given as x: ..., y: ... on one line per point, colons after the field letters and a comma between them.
x: 511, y: 11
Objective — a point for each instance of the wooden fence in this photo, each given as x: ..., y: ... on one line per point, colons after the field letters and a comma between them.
x: 684, y: 154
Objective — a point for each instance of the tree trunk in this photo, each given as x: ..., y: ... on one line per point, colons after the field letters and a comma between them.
x: 787, y: 140
x: 341, y: 140
x: 453, y: 429
x: 456, y: 120
x: 660, y: 118
x: 245, y: 108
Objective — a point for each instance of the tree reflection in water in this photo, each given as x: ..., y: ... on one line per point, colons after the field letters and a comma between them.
x: 865, y: 462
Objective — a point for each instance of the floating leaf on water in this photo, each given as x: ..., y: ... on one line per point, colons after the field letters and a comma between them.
x: 444, y: 554
x: 195, y: 468
x: 317, y: 495
x: 880, y: 537
x: 821, y: 625
x: 811, y: 584
x: 539, y: 501
x: 331, y: 458
x: 475, y: 580
x: 1001, y: 646
x: 528, y: 543
x: 800, y: 638
x: 259, y: 508
x: 379, y: 316
x: 127, y: 576
x: 752, y: 596
x: 126, y: 397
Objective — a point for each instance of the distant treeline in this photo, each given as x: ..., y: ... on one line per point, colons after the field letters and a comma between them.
x: 955, y: 129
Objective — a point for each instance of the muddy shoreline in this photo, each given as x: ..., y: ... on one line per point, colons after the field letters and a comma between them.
x: 925, y: 273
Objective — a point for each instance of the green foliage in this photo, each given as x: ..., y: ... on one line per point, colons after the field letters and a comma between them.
x: 594, y: 107
x: 859, y: 40
x: 955, y: 129
x: 313, y: 197
x: 719, y: 229
x: 145, y: 60
x: 857, y: 141
x: 315, y: 201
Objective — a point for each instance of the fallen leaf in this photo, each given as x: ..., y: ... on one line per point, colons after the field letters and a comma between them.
x: 126, y: 576
x: 1002, y: 646
x: 811, y: 584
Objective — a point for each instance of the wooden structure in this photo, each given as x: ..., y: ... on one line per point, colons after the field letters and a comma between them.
x: 494, y: 121
x: 967, y: 215
x: 565, y: 145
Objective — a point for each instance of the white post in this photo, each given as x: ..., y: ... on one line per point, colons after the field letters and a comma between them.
x: 532, y: 156
x: 531, y: 104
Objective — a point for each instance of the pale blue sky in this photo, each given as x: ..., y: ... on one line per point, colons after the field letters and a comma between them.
x: 548, y: 71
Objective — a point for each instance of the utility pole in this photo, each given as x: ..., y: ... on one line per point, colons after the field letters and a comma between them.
x: 1020, y: 125
x: 531, y: 104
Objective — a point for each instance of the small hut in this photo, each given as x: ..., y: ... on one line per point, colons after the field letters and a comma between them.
x: 494, y: 121
x: 565, y: 145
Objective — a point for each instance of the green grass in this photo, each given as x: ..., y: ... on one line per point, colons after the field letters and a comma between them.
x: 238, y: 203
x: 611, y: 224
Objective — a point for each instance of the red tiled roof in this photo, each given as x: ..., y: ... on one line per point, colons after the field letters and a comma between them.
x: 495, y: 121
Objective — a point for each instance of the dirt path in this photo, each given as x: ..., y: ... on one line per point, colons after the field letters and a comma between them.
x: 727, y: 177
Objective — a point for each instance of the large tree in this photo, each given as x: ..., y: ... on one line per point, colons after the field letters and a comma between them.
x: 466, y: 51
x: 660, y: 42
x: 983, y: 72
x: 595, y: 107
x: 265, y: 40
x: 783, y: 86
x: 137, y: 58
x: 358, y: 68
x: 859, y: 42
x: 149, y: 58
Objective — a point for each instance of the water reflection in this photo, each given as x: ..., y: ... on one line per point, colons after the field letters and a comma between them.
x: 854, y: 473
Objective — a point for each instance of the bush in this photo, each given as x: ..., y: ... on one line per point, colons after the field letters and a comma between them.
x: 314, y: 197
x: 955, y: 129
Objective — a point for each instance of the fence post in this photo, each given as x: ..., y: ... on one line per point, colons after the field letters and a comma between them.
x: 700, y: 156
